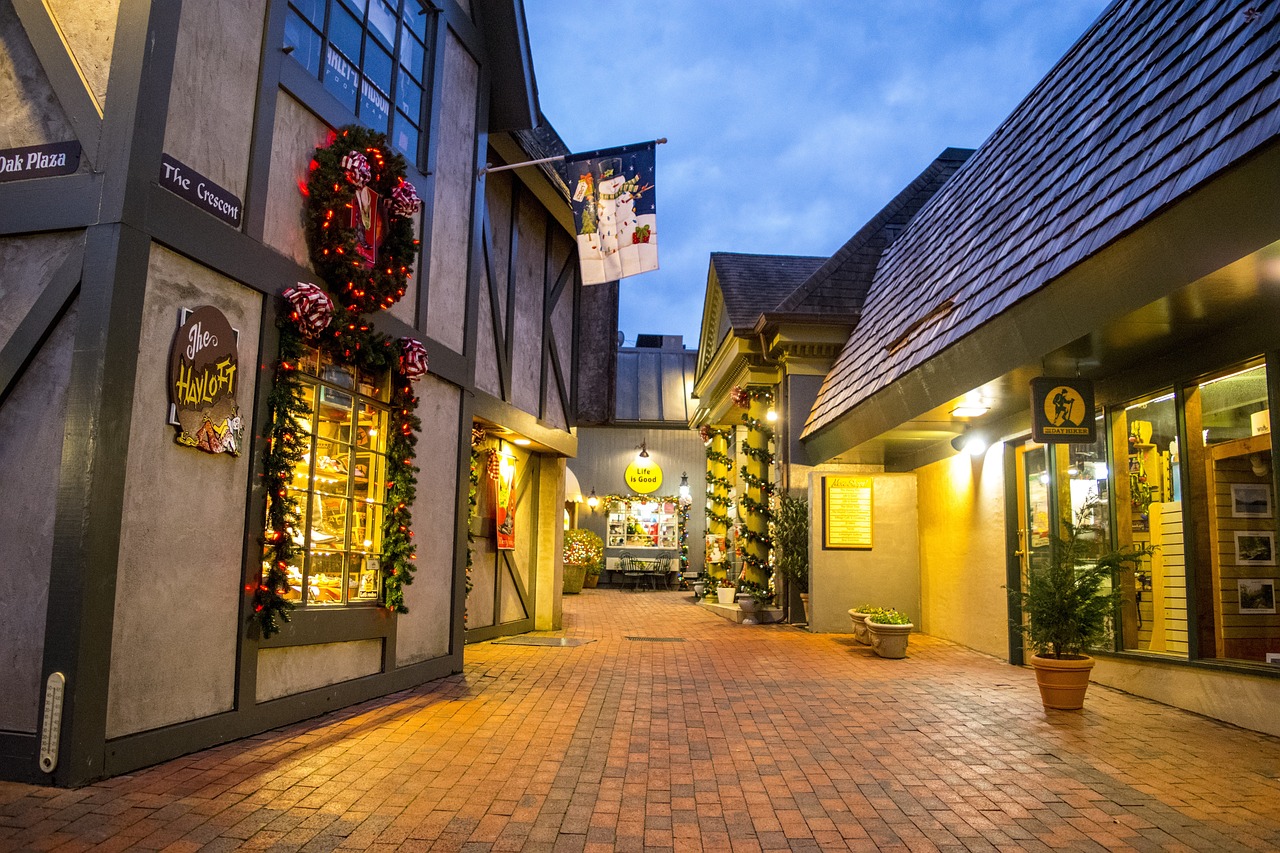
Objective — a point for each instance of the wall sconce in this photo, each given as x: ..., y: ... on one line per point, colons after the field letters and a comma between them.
x: 686, y: 496
x: 643, y: 454
x: 971, y: 442
x: 593, y: 501
x: 771, y: 415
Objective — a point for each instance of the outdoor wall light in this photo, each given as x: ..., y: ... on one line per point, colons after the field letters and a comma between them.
x: 642, y: 455
x: 771, y: 415
x: 593, y: 501
x: 970, y: 442
x: 970, y: 409
x: 686, y: 496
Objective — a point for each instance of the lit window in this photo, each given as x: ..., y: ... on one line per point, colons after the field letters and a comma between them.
x: 371, y: 55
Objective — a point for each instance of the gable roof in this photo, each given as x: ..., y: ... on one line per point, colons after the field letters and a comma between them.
x: 754, y: 284
x: 1156, y: 99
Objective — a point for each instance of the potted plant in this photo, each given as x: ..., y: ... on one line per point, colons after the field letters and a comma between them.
x: 593, y: 576
x: 858, y: 616
x: 699, y: 588
x: 725, y: 591
x: 791, y: 539
x: 888, y: 630
x: 582, y: 549
x: 1068, y: 603
x: 752, y: 598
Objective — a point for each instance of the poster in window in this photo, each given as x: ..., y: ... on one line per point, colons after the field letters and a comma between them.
x: 504, y: 503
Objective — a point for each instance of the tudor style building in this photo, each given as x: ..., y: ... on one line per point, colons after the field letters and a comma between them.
x: 128, y: 561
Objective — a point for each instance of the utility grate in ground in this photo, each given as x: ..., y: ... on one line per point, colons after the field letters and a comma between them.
x: 656, y: 639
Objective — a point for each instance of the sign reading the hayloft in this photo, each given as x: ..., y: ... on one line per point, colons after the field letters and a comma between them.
x: 39, y: 161
x: 847, y: 512
x: 203, y: 364
x: 1062, y: 411
x: 199, y: 190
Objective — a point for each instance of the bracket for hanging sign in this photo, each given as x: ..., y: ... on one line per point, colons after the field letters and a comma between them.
x: 55, y: 689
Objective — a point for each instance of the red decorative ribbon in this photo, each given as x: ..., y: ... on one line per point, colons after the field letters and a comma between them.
x: 404, y: 199
x: 356, y: 167
x: 312, y: 307
x: 413, y: 358
x: 740, y: 396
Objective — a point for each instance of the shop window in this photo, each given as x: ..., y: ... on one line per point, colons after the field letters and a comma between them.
x: 642, y: 524
x: 1148, y: 511
x: 1228, y: 427
x: 371, y: 55
x: 340, y: 485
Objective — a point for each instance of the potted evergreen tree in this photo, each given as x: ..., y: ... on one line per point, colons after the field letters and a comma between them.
x: 791, y: 538
x: 1069, y: 601
x: 583, y: 549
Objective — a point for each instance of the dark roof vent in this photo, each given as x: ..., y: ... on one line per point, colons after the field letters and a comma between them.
x: 649, y: 341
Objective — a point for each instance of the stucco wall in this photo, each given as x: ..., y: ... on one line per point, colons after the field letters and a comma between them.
x: 214, y: 89
x: 173, y: 647
x: 887, y: 575
x: 498, y: 191
x: 526, y: 367
x: 90, y: 30
x: 423, y: 632
x: 29, y: 111
x: 31, y: 427
x: 455, y: 179
x: 295, y: 137
x: 28, y: 263
x: 295, y: 669
x: 962, y: 551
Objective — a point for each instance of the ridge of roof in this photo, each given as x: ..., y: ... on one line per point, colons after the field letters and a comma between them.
x: 751, y: 284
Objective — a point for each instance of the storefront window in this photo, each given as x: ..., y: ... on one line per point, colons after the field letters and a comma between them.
x: 370, y: 55
x: 1148, y: 511
x: 340, y: 485
x: 642, y: 524
x: 1228, y: 426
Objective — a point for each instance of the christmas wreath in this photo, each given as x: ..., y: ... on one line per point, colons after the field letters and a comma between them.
x: 358, y: 225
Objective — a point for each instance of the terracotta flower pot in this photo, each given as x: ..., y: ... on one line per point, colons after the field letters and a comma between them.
x: 590, y: 581
x: 889, y: 641
x: 1062, y: 681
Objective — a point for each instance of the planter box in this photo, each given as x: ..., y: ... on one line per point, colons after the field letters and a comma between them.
x: 573, y: 578
x: 859, y: 627
x: 889, y: 641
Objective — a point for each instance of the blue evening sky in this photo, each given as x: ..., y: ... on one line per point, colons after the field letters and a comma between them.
x: 790, y: 122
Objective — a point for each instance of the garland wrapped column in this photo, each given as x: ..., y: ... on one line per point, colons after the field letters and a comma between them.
x: 716, y: 442
x: 757, y: 488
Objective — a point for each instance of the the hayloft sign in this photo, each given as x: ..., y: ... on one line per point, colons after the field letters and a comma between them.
x: 203, y: 368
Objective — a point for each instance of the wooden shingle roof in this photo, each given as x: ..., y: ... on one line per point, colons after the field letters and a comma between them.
x: 754, y: 284
x: 1157, y: 98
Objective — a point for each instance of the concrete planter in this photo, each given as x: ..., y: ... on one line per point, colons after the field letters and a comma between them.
x: 889, y: 641
x: 699, y: 590
x: 749, y: 607
x: 1062, y: 681
x: 725, y: 594
x: 574, y: 575
x: 859, y: 627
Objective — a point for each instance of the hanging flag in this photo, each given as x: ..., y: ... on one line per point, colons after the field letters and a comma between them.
x: 614, y: 211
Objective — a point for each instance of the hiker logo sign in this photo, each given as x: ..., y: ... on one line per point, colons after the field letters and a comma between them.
x: 1062, y: 411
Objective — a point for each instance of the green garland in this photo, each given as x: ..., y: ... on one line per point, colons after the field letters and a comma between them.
x: 398, y: 550
x: 330, y: 236
x: 473, y: 503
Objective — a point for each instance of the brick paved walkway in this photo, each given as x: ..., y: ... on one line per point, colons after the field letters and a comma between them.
x: 734, y: 737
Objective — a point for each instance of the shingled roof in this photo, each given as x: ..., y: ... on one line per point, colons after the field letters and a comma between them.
x: 754, y: 284
x: 1155, y: 100
x: 840, y: 285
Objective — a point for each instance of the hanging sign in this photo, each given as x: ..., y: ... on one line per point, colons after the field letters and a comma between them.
x: 504, y: 500
x: 1062, y: 411
x: 182, y: 180
x: 39, y: 161
x: 203, y: 364
x: 846, y: 512
x: 614, y: 211
x: 643, y: 477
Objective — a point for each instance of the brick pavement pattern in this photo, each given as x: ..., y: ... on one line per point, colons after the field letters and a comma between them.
x: 677, y: 730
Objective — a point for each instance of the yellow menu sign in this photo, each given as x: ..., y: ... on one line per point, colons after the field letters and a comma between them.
x: 846, y: 512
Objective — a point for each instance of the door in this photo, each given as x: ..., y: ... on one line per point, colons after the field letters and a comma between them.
x: 1036, y: 506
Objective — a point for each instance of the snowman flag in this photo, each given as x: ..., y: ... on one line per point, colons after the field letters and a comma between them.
x: 614, y: 211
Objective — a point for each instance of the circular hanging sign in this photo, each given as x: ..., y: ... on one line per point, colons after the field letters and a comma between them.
x: 202, y: 383
x: 644, y: 478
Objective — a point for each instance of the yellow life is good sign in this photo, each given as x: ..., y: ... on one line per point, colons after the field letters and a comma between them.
x: 643, y: 478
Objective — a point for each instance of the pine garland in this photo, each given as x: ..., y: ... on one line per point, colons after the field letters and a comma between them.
x: 398, y: 550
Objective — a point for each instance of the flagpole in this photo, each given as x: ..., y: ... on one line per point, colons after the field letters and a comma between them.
x: 490, y: 168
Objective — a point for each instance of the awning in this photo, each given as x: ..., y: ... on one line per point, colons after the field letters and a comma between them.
x: 572, y: 491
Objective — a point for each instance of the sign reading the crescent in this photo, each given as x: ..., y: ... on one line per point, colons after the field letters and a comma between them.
x: 1062, y: 411
x: 203, y: 368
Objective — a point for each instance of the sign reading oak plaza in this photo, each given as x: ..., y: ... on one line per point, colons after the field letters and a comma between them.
x: 1062, y: 411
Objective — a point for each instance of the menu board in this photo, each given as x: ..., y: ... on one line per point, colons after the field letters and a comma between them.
x: 846, y: 512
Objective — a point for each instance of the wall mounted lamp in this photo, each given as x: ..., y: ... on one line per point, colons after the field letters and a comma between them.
x: 686, y: 496
x: 971, y: 442
x: 593, y: 501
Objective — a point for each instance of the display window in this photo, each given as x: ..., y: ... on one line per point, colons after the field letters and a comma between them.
x: 642, y: 524
x: 339, y: 485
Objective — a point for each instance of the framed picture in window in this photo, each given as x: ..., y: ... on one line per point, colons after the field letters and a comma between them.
x: 1255, y: 548
x: 1250, y: 500
x: 1257, y: 596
